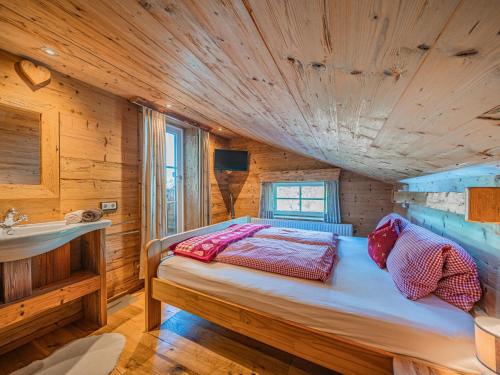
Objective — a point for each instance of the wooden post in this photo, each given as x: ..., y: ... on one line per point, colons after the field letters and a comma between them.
x: 16, y: 279
x: 152, y: 252
x: 94, y: 260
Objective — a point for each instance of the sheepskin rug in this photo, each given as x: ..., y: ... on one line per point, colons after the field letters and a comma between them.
x: 96, y: 355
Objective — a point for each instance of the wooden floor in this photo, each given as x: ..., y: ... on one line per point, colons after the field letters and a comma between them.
x: 185, y: 344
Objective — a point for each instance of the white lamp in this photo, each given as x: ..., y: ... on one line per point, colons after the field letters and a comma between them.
x: 487, y: 332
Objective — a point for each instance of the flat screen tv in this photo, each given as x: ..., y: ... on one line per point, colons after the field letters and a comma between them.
x: 230, y: 160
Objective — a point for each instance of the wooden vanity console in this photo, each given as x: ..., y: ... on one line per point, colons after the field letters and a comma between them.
x: 49, y: 290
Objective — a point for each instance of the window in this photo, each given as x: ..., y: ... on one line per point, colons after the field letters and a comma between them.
x: 174, y: 180
x: 303, y: 199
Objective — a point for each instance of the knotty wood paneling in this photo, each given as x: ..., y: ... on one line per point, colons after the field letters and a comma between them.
x: 328, y: 174
x: 98, y: 162
x: 219, y: 184
x: 191, y: 178
x: 16, y: 279
x: 388, y: 89
x: 20, y: 145
x: 50, y: 267
x: 363, y: 200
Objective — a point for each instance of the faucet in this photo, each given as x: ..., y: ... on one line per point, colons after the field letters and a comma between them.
x: 9, y: 219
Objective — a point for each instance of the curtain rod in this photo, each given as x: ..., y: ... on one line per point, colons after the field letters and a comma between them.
x: 169, y: 113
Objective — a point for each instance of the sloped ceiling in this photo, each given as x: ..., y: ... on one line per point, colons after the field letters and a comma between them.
x: 390, y: 89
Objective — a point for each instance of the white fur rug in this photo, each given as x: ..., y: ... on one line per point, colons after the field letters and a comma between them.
x: 93, y: 355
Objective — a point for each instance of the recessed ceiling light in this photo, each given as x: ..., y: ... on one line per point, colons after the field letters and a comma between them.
x: 220, y: 129
x: 169, y: 105
x: 49, y: 51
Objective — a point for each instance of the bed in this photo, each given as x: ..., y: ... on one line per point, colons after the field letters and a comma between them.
x: 356, y: 322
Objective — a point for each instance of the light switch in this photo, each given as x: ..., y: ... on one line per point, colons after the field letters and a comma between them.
x: 109, y: 206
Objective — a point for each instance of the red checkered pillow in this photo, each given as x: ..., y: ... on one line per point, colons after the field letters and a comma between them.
x: 381, y: 242
x: 460, y: 282
x: 423, y: 262
x: 402, y: 222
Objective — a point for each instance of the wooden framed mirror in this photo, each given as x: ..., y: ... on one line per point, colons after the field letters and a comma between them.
x: 29, y: 153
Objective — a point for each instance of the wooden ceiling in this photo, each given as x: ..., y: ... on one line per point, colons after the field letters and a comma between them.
x: 390, y: 89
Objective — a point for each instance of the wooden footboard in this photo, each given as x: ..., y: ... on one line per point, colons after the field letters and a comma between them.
x: 317, y: 347
x: 152, y: 306
x: 153, y: 252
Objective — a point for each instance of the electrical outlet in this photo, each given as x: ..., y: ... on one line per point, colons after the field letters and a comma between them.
x: 109, y: 206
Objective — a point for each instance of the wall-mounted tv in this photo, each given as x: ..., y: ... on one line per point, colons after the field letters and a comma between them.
x: 230, y: 160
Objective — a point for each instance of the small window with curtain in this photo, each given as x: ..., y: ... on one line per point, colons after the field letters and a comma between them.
x: 299, y: 199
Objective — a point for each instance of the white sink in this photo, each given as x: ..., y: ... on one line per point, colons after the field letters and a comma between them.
x: 25, y: 241
x: 22, y: 231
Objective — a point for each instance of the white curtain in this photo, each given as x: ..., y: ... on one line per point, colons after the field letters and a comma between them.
x: 204, y: 177
x: 153, y: 179
x: 266, y: 210
x: 332, y: 214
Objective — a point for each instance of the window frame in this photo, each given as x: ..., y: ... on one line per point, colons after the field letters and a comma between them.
x: 178, y: 168
x: 300, y: 213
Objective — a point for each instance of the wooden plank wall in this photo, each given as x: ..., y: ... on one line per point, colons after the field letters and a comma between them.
x: 363, y: 200
x: 191, y: 179
x: 479, y: 239
x: 99, y: 162
x: 219, y: 184
x: 20, y: 145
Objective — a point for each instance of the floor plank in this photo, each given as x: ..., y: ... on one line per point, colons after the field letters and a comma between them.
x: 185, y: 345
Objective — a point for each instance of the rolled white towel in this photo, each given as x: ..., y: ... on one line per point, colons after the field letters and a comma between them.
x: 89, y: 216
x: 83, y: 216
x: 74, y: 217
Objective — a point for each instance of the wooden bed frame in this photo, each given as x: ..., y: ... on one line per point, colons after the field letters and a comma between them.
x: 328, y: 350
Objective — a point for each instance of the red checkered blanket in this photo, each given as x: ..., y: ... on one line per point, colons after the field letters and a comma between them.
x: 310, y: 237
x: 206, y: 247
x: 284, y: 257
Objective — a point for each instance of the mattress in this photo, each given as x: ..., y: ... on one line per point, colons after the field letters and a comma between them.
x: 359, y: 302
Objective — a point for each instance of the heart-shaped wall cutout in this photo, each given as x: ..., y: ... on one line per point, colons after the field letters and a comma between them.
x: 37, y: 76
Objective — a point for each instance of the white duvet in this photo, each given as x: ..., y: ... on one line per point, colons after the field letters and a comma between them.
x: 359, y: 302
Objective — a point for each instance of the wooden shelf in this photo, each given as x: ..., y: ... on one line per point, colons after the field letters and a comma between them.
x: 26, y: 330
x: 42, y: 299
